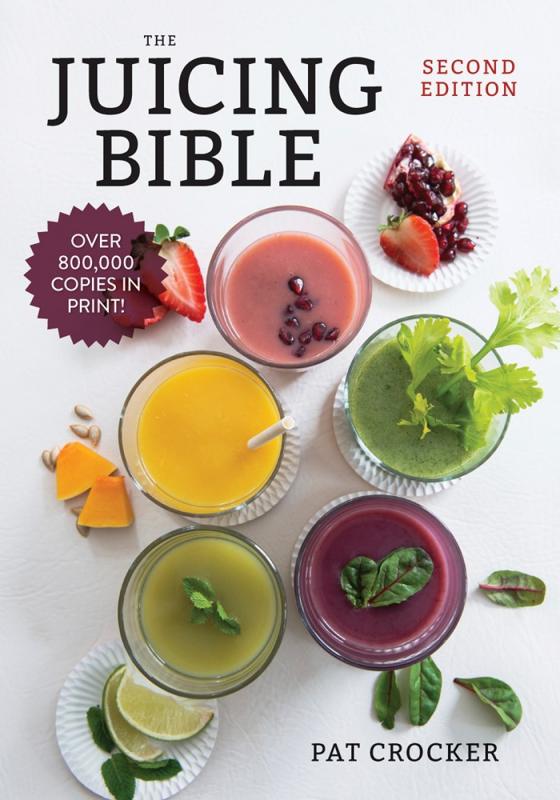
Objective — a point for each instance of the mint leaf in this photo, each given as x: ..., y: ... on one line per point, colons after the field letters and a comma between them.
x: 201, y: 615
x: 400, y: 575
x: 498, y: 695
x: 200, y: 586
x: 206, y: 606
x: 200, y: 601
x: 513, y: 589
x: 179, y: 233
x: 118, y: 777
x: 99, y: 732
x: 161, y: 234
x: 155, y: 770
x: 528, y: 317
x: 357, y: 578
x: 386, y: 698
x: 424, y: 690
x: 507, y: 388
x: 420, y: 348
x: 225, y: 623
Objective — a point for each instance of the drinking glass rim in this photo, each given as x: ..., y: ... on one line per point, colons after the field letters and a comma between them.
x: 160, y: 503
x: 210, y: 281
x: 277, y: 580
x: 365, y: 449
x: 395, y: 663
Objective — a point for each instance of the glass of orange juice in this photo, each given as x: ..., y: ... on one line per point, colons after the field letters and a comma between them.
x: 184, y: 430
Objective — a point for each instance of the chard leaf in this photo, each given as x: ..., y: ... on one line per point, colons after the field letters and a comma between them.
x: 513, y: 589
x: 400, y: 575
x: 99, y: 732
x: 528, y: 315
x: 498, y: 695
x: 357, y: 579
x: 507, y: 388
x: 118, y: 777
x: 424, y: 691
x: 455, y: 358
x: 386, y: 698
x: 420, y: 348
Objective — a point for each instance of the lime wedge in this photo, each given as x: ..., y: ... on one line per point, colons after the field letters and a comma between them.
x: 158, y: 715
x: 132, y: 743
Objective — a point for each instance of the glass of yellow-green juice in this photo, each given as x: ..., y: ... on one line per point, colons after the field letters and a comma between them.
x: 155, y: 613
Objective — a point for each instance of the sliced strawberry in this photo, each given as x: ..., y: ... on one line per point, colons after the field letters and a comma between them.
x: 411, y: 242
x: 183, y: 288
x: 138, y: 309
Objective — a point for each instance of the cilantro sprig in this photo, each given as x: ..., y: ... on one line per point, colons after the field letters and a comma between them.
x: 528, y: 317
x: 206, y: 606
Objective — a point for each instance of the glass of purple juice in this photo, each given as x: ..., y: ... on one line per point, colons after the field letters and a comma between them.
x: 388, y: 637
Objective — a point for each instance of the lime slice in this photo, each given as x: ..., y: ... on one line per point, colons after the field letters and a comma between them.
x: 130, y: 741
x: 158, y: 715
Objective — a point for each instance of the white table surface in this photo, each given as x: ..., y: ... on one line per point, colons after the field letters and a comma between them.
x: 59, y: 591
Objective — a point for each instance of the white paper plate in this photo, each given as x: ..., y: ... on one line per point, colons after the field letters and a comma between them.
x: 278, y: 489
x: 82, y: 689
x: 368, y: 205
x: 370, y: 471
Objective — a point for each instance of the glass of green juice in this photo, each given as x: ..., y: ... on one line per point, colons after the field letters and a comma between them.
x: 375, y: 400
x: 155, y: 613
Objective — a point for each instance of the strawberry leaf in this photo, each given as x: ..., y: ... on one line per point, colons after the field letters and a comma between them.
x: 161, y: 234
x: 179, y: 233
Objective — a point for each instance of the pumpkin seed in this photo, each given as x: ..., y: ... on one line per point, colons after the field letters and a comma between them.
x: 82, y: 412
x: 55, y: 452
x: 94, y: 434
x: 80, y: 430
x: 83, y: 530
x: 46, y: 458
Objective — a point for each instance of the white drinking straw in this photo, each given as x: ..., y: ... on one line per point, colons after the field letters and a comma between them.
x: 279, y: 428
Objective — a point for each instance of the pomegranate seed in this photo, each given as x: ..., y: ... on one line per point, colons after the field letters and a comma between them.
x: 449, y: 254
x: 448, y: 175
x: 289, y: 309
x: 304, y: 302
x: 447, y: 187
x: 407, y: 200
x: 401, y: 179
x: 415, y: 164
x: 292, y: 322
x: 332, y: 335
x: 285, y: 336
x: 419, y: 207
x: 406, y: 150
x: 296, y: 284
x: 443, y: 242
x: 439, y: 208
x: 431, y: 217
x: 465, y: 245
x: 428, y: 161
x: 462, y: 224
x: 300, y: 351
x: 319, y: 329
x: 305, y: 337
x: 439, y: 232
x: 461, y: 210
x: 436, y: 176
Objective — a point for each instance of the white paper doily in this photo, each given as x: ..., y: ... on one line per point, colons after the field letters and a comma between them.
x: 367, y: 469
x: 272, y: 495
x: 83, y: 688
x: 367, y: 205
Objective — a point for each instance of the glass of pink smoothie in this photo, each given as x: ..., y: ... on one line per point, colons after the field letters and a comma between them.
x: 289, y: 286
x: 388, y: 637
